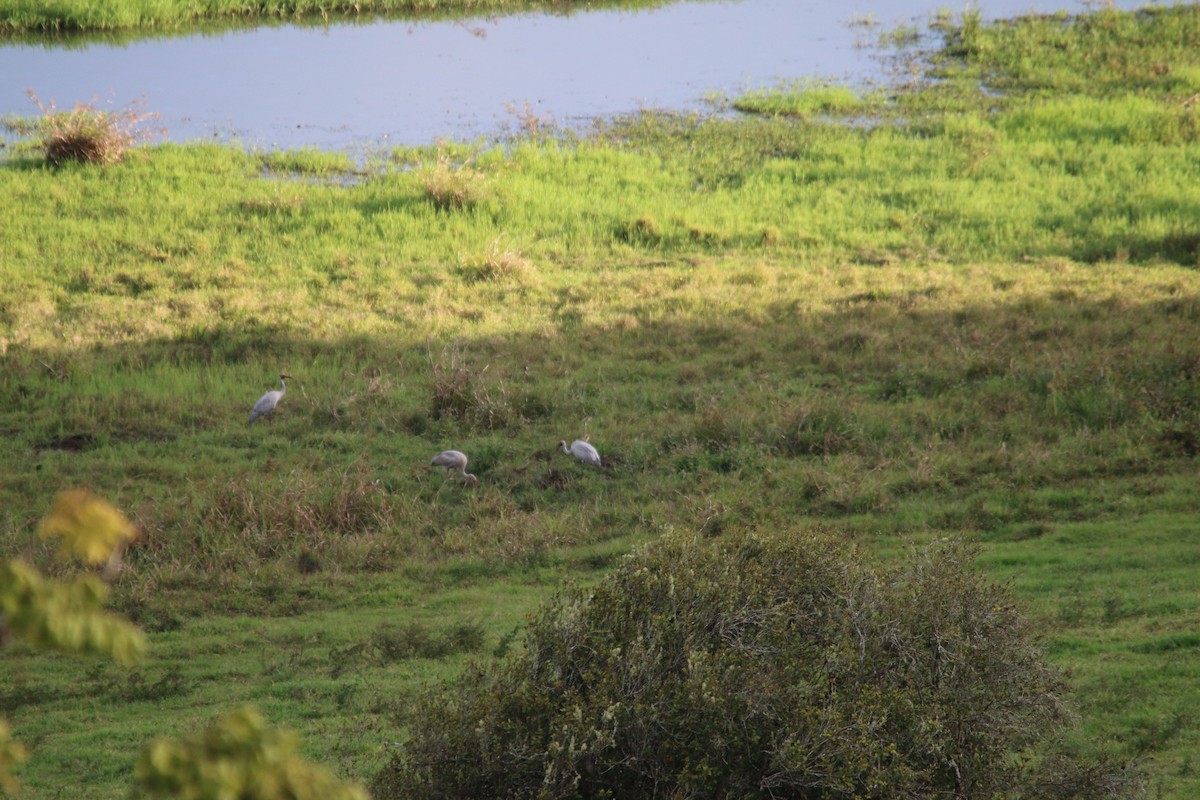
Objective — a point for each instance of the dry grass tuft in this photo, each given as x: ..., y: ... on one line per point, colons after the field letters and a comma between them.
x: 498, y: 263
x: 298, y: 512
x: 86, y: 134
x: 530, y: 123
x: 452, y: 187
x: 467, y: 396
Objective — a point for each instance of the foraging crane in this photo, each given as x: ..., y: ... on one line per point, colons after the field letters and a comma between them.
x: 266, y: 404
x: 581, y: 450
x: 453, y: 459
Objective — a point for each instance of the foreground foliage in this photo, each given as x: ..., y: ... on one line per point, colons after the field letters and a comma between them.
x: 66, y: 615
x: 763, y: 667
x: 238, y: 756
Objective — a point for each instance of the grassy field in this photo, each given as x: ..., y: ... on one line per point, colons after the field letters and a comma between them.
x: 951, y: 309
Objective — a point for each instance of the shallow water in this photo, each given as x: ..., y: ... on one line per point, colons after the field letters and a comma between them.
x: 365, y: 85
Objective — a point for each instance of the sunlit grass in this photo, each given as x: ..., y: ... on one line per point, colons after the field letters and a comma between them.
x: 805, y: 100
x: 78, y: 16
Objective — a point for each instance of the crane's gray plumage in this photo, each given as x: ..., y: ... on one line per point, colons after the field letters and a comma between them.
x: 453, y: 459
x: 266, y: 404
x: 581, y: 450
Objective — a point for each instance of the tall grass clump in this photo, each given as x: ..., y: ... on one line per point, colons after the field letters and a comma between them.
x: 343, y: 520
x: 85, y: 134
x: 499, y: 263
x: 450, y: 186
x: 470, y: 396
x: 756, y: 668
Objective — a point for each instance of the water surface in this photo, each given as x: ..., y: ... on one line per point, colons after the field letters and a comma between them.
x: 391, y: 82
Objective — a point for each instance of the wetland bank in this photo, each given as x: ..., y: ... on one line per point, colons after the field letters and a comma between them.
x: 973, y: 319
x: 370, y: 83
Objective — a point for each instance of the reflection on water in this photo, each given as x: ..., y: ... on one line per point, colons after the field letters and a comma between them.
x: 409, y: 83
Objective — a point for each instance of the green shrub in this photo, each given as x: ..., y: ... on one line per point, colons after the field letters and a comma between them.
x: 765, y: 667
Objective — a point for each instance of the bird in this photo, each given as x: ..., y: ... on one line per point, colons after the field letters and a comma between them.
x: 266, y: 404
x: 453, y: 459
x: 581, y: 450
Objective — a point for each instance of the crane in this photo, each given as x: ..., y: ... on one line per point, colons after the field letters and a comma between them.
x: 581, y: 450
x: 266, y: 404
x: 453, y: 459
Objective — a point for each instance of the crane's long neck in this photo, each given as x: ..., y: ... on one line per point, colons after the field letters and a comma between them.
x: 282, y: 385
x: 566, y: 449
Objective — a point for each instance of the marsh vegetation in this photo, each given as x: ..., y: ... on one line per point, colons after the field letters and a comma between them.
x: 81, y: 16
x: 964, y: 308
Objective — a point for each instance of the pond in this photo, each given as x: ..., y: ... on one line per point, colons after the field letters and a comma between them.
x: 364, y: 85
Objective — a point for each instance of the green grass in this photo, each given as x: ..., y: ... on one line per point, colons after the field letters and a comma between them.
x: 808, y: 99
x: 147, y: 17
x: 1123, y: 595
x: 328, y: 673
x: 975, y: 317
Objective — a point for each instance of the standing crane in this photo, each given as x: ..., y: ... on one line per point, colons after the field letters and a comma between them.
x: 266, y: 404
x: 453, y: 459
x: 581, y: 450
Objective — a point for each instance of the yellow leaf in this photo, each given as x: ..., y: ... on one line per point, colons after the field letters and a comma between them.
x: 89, y: 528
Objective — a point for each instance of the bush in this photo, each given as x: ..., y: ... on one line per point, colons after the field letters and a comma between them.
x: 759, y: 668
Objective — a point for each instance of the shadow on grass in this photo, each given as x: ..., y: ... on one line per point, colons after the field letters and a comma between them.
x: 889, y: 406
